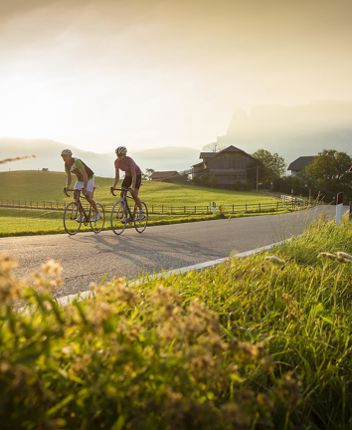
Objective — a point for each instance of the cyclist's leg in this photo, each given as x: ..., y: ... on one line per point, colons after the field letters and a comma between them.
x: 76, y: 196
x: 90, y: 194
x: 136, y: 198
x: 136, y: 192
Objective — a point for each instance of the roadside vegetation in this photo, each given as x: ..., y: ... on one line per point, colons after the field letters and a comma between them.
x: 257, y: 343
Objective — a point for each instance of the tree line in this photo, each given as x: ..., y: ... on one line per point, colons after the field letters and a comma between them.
x: 323, y: 178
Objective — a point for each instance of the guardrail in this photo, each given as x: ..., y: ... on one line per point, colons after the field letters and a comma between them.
x: 160, y: 209
x: 299, y: 201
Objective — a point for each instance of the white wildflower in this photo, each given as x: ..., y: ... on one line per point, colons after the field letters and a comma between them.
x: 329, y: 255
x: 275, y: 260
x: 343, y: 256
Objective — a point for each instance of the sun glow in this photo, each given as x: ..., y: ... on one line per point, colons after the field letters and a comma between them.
x: 27, y: 108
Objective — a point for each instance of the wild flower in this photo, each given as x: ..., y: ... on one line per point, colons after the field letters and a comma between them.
x: 48, y: 278
x: 10, y: 286
x: 344, y: 257
x: 52, y: 268
x: 329, y: 255
x: 275, y: 260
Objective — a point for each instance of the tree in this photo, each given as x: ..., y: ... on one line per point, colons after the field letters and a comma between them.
x: 274, y: 165
x: 328, y: 173
x: 148, y: 173
x: 329, y: 165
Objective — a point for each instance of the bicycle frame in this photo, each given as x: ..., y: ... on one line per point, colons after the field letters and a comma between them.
x: 121, y: 213
x: 124, y: 200
x: 80, y: 206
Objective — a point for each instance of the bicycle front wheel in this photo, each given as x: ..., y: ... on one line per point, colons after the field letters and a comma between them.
x: 117, y: 216
x: 140, y: 217
x: 97, y: 218
x: 72, y: 219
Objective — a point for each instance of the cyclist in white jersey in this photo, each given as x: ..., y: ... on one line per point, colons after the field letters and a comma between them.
x: 85, y: 180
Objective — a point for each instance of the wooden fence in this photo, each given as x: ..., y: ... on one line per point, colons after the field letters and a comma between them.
x: 169, y: 210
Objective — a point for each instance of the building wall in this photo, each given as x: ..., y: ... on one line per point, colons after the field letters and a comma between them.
x: 230, y: 161
x: 227, y: 170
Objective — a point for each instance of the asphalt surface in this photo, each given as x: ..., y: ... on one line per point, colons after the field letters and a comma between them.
x: 87, y: 257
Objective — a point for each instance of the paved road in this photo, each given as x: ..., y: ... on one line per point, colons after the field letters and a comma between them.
x: 88, y: 257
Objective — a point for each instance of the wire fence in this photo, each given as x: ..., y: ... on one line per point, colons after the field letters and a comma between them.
x: 286, y: 202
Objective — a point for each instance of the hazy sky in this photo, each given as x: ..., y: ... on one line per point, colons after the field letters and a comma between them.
x: 149, y: 73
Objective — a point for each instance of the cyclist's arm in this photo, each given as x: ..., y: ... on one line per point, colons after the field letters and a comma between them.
x: 117, y: 177
x: 134, y: 175
x: 85, y: 178
x: 68, y: 179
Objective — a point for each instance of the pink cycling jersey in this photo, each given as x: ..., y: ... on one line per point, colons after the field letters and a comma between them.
x: 128, y: 166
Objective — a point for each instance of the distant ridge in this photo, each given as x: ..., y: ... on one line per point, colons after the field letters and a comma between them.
x: 47, y: 154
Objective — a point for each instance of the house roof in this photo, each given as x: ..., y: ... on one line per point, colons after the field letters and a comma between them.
x: 300, y: 163
x: 206, y: 155
x: 164, y: 174
x: 234, y: 149
x: 198, y: 164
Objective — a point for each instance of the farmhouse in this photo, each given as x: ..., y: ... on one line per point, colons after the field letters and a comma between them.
x: 299, y: 165
x: 165, y: 176
x: 229, y: 168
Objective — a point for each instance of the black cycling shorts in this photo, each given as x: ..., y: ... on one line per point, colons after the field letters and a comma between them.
x: 126, y: 183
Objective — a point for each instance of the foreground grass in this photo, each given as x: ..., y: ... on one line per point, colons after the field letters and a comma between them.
x: 258, y: 343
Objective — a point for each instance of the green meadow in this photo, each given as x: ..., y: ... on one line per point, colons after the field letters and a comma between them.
x: 38, y: 185
x: 260, y: 343
x: 33, y: 186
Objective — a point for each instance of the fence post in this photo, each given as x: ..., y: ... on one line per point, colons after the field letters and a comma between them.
x: 350, y: 214
x: 339, y: 207
x: 213, y: 208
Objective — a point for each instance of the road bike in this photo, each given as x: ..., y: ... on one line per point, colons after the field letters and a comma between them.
x: 121, y: 214
x: 76, y: 214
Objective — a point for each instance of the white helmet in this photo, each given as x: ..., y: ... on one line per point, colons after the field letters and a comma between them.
x: 66, y: 152
x: 121, y: 150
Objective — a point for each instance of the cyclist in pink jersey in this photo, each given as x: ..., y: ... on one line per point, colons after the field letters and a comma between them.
x: 133, y: 176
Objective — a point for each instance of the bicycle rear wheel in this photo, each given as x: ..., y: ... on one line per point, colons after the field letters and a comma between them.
x: 118, y: 214
x: 97, y: 225
x: 71, y: 218
x: 140, y: 221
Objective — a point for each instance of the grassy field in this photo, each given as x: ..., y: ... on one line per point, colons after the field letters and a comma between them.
x: 37, y: 185
x: 47, y: 186
x: 258, y: 343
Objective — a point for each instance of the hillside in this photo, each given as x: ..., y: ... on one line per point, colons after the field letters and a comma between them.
x: 38, y: 185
